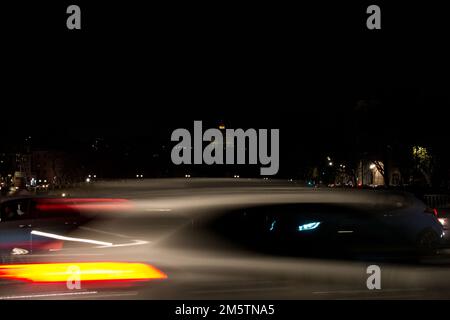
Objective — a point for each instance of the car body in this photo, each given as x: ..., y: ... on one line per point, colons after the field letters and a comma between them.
x: 19, y: 216
x: 334, y: 228
x: 443, y: 215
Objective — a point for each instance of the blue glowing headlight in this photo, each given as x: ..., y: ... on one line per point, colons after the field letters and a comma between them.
x: 308, y: 226
x: 272, y: 226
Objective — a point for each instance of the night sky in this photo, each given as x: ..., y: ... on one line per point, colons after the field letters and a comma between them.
x: 134, y: 73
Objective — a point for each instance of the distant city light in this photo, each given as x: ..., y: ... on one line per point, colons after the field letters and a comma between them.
x: 330, y: 163
x: 372, y: 166
x: 88, y: 180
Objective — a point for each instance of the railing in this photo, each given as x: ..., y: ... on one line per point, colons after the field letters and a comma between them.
x: 437, y: 200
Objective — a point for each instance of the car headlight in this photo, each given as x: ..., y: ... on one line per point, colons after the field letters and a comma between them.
x: 443, y: 221
x: 308, y: 226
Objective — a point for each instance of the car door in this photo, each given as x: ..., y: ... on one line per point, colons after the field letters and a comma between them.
x: 16, y: 224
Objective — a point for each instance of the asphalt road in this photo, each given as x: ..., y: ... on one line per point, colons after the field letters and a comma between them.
x: 158, y: 231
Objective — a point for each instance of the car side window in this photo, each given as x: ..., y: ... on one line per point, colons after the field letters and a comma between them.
x: 15, y: 210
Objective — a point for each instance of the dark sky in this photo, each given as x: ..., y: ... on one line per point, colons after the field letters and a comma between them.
x: 141, y: 71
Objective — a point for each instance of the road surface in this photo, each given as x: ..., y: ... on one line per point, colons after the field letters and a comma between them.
x: 158, y: 231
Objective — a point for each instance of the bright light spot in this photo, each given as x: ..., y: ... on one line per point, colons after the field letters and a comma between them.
x: 19, y: 251
x: 372, y: 166
x: 272, y: 226
x: 308, y: 226
x: 443, y: 221
x: 330, y: 163
x: 88, y: 180
x: 64, y: 238
x: 88, y: 271
x: 63, y: 195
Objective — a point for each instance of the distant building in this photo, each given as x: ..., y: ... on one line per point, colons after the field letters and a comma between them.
x: 15, y: 169
x: 373, y: 173
x: 47, y: 166
x: 39, y: 168
x: 56, y: 168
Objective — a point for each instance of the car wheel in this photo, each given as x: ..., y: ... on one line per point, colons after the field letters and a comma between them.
x: 427, y: 242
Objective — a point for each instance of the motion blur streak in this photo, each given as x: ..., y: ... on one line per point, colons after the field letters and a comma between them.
x: 86, y: 271
x: 84, y: 204
x: 49, y: 295
x: 59, y: 237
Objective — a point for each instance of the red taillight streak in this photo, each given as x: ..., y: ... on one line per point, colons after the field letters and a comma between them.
x: 88, y: 272
x: 64, y: 200
x: 83, y: 204
x: 100, y: 206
